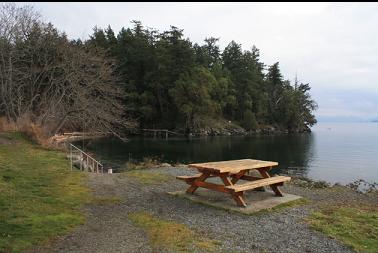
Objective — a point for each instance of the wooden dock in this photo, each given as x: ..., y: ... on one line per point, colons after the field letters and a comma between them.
x: 161, y: 132
x: 75, y: 136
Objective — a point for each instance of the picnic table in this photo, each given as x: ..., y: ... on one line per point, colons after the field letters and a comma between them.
x: 230, y: 172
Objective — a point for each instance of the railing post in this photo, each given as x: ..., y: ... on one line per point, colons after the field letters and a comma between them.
x: 71, y: 156
x: 81, y: 160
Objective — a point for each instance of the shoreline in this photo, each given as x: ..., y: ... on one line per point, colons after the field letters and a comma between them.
x: 138, y: 202
x: 268, y: 130
x: 144, y: 209
x: 358, y: 185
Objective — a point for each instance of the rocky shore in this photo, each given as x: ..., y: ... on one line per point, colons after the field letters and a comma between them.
x: 240, y: 131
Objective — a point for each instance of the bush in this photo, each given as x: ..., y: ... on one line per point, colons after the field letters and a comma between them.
x: 249, y: 121
x: 25, y: 125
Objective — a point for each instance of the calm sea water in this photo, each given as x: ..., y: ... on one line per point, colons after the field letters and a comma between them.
x: 337, y: 152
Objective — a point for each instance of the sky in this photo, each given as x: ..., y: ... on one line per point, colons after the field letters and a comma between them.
x: 332, y: 46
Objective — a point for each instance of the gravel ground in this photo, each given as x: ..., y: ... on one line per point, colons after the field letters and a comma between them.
x: 108, y: 229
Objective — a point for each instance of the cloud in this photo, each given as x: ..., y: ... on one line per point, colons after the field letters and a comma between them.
x: 356, y: 103
x: 333, y: 46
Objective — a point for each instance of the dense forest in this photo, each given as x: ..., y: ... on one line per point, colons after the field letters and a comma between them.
x: 171, y: 82
x: 140, y: 78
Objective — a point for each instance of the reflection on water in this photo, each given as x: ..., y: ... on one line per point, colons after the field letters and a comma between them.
x: 335, y: 153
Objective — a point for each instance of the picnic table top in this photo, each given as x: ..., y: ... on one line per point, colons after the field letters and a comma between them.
x: 233, y: 166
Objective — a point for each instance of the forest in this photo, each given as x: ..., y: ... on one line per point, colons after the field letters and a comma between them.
x: 139, y: 78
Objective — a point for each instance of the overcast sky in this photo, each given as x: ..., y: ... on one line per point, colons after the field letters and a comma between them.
x: 332, y: 46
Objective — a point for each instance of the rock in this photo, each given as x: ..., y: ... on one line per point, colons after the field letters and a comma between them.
x: 181, y: 165
x: 165, y: 165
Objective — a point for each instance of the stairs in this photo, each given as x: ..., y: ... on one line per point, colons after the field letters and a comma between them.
x: 83, y: 161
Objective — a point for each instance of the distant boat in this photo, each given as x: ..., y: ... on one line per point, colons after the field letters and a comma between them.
x: 375, y: 120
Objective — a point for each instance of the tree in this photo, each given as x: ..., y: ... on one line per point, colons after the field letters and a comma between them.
x: 249, y: 122
x: 160, y: 79
x: 208, y: 54
x: 247, y: 77
x: 54, y: 82
x: 191, y: 96
x: 274, y: 88
x: 158, y: 70
x: 297, y: 108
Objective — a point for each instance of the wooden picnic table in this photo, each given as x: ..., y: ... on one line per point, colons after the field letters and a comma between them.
x: 230, y: 172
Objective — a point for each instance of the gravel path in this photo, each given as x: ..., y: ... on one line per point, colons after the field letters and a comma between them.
x: 108, y: 229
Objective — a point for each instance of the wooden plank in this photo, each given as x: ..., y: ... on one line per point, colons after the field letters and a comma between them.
x: 237, y: 176
x: 233, y: 166
x: 188, y: 177
x: 193, y: 186
x: 274, y: 188
x: 237, y: 197
x: 259, y: 183
x: 250, y: 178
x: 212, y: 186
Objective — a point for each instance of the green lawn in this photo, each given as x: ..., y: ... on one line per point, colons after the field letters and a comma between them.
x: 147, y: 177
x: 39, y: 195
x: 356, y: 226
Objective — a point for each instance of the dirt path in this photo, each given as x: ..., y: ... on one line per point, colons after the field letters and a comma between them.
x: 108, y: 228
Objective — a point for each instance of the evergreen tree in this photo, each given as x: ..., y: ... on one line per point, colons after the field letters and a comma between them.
x: 192, y: 97
x: 172, y: 83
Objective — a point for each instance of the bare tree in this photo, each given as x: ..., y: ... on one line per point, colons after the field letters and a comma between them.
x: 57, y: 83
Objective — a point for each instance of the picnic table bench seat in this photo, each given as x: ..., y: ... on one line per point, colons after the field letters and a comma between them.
x: 189, y: 178
x: 276, y: 180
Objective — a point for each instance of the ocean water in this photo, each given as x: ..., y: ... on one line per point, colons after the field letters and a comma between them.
x: 334, y: 152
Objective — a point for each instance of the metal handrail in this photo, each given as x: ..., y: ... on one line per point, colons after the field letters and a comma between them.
x: 87, y: 155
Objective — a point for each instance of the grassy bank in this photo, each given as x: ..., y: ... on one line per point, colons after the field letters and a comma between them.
x: 39, y: 196
x: 355, y: 225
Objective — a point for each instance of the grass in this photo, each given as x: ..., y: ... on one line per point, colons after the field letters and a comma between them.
x: 139, y: 172
x: 172, y: 236
x: 148, y: 177
x: 284, y: 206
x: 146, y: 163
x: 356, y: 226
x: 40, y: 197
x: 105, y: 200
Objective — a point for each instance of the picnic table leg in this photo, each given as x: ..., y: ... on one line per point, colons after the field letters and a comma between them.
x: 193, y: 188
x: 238, y: 197
x: 237, y: 176
x: 275, y: 189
